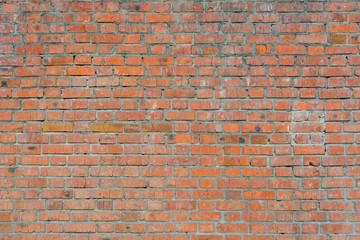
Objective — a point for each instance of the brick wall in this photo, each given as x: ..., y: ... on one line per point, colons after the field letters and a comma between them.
x: 176, y: 120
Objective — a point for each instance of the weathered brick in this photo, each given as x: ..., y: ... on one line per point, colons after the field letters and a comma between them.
x: 107, y: 127
x: 207, y: 120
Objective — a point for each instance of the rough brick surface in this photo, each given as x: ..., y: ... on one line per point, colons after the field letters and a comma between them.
x: 179, y: 120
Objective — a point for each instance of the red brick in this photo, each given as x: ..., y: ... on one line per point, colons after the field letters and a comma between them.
x: 153, y: 61
x: 162, y: 119
x: 30, y: 49
x: 80, y: 71
x: 107, y: 127
x: 289, y: 49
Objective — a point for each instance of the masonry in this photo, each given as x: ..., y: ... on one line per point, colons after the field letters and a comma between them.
x: 179, y: 120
